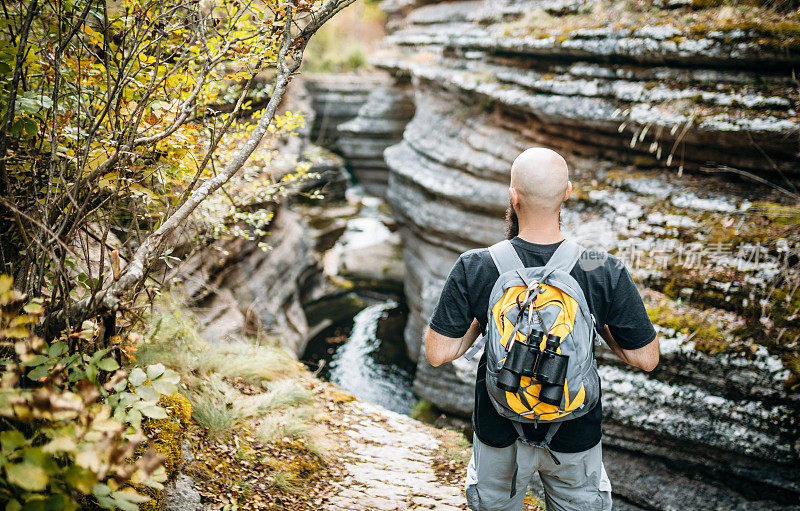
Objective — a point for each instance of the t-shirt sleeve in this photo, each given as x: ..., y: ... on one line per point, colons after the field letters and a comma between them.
x: 627, y: 318
x: 452, y: 316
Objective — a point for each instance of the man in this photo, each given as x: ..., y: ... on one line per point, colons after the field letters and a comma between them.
x: 539, y: 185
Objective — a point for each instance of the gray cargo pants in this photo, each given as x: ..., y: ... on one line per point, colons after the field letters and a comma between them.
x: 579, y: 483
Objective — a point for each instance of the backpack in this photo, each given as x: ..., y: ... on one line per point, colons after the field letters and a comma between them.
x: 539, y: 327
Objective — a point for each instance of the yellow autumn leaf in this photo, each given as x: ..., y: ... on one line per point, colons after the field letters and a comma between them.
x: 96, y: 158
x: 142, y: 190
x: 176, y: 80
x: 108, y: 180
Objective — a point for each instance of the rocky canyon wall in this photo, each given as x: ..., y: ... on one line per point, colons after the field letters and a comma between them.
x: 334, y: 100
x: 236, y: 288
x: 680, y: 126
x: 379, y: 124
x: 359, y: 117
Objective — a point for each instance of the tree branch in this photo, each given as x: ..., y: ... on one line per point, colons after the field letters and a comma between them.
x: 147, y: 254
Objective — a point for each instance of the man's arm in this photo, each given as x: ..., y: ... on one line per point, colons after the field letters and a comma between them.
x: 440, y: 348
x: 645, y: 358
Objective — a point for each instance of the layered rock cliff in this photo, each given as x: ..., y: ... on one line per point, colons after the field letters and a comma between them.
x: 649, y: 105
x: 379, y: 124
x: 246, y: 285
x: 335, y: 99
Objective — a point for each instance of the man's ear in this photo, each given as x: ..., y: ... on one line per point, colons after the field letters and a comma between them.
x: 514, y: 196
x: 569, y: 190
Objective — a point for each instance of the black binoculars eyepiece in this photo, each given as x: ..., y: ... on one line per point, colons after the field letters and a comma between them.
x: 547, y: 367
x: 532, y: 351
x: 508, y: 378
x: 551, y: 372
x: 520, y: 361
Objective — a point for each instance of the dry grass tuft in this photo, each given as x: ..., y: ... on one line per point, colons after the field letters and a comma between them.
x: 248, y: 400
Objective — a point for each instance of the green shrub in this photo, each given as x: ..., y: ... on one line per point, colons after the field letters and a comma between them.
x: 72, y: 417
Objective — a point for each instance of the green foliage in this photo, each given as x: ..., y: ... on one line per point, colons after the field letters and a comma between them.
x: 214, y: 406
x: 217, y: 406
x: 121, y: 109
x: 257, y: 421
x: 72, y: 420
x: 284, y: 410
x: 138, y: 397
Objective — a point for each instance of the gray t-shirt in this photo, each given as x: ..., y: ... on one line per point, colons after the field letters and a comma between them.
x: 612, y: 298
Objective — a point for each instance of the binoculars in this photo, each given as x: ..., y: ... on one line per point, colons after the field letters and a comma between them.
x: 547, y: 367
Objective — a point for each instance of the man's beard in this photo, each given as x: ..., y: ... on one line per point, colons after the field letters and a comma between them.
x: 512, y: 221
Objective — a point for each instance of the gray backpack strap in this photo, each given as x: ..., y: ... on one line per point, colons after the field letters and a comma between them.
x: 470, y: 354
x: 545, y: 443
x: 505, y: 257
x: 565, y: 256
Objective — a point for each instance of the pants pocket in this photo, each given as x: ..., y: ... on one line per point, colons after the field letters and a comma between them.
x: 471, y: 484
x: 604, y: 490
x: 473, y: 498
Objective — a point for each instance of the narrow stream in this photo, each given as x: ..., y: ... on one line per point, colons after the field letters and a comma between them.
x: 367, y: 358
x: 369, y: 368
x: 361, y: 347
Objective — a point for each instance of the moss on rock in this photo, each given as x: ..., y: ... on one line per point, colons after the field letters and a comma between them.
x: 708, y: 336
x: 168, y: 435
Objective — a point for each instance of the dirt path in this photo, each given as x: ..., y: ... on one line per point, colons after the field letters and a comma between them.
x: 390, y: 462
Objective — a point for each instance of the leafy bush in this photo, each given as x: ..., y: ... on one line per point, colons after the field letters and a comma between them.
x: 131, y: 106
x: 72, y: 420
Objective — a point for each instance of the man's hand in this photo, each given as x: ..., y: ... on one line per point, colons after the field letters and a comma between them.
x: 440, y: 348
x: 645, y: 358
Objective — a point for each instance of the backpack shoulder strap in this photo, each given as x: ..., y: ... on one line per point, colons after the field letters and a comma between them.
x: 565, y: 256
x: 505, y: 257
x: 476, y: 347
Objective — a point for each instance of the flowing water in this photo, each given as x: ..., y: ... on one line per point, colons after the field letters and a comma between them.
x: 368, y: 368
x: 367, y: 358
x: 362, y: 349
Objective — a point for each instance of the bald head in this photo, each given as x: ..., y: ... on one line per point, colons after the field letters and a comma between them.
x: 540, y: 177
